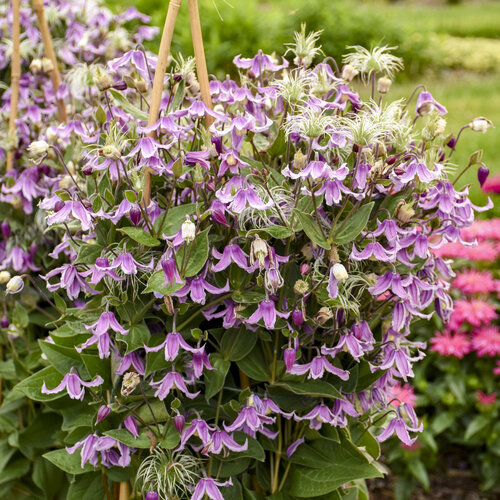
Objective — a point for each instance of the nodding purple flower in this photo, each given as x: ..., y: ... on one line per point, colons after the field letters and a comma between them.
x: 199, y: 361
x: 101, y: 269
x: 102, y: 413
x: 128, y: 264
x: 73, y: 209
x: 221, y: 441
x: 210, y: 488
x: 357, y: 342
x: 293, y: 447
x: 258, y: 64
x: 266, y: 310
x: 5, y: 227
x: 131, y: 359
x: 400, y: 427
x: 482, y: 175
x: 197, y: 288
x: 231, y: 161
x: 289, y: 357
x: 172, y: 380
x: 318, y: 416
x: 231, y: 253
x: 217, y: 211
x: 131, y: 425
x: 266, y: 405
x: 238, y: 193
x: 316, y: 368
x: 250, y: 422
x: 392, y: 281
x: 198, y: 428
x: 4, y: 322
x: 73, y: 384
x: 297, y: 317
x: 172, y: 343
x: 169, y: 267
x: 376, y: 250
x: 151, y: 495
x: 314, y: 170
x: 426, y: 103
x: 179, y: 422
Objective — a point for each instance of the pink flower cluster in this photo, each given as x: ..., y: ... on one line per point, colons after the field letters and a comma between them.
x: 470, y: 327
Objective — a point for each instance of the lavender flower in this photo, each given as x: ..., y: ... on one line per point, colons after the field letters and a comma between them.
x: 74, y: 385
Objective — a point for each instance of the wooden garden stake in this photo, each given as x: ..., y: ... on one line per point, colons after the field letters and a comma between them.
x: 15, y: 75
x: 199, y: 55
x: 124, y: 491
x: 50, y: 54
x: 161, y: 66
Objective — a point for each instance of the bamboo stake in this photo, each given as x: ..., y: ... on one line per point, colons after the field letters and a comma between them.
x: 124, y: 491
x: 199, y: 55
x: 15, y: 76
x: 49, y: 52
x: 161, y: 66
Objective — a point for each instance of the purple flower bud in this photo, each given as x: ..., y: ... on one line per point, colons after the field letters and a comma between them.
x: 210, y: 186
x: 87, y: 170
x: 102, y: 413
x: 131, y: 426
x: 391, y: 159
x: 482, y: 175
x: 5, y: 229
x: 289, y: 356
x: 179, y: 422
x: 44, y: 169
x: 32, y: 249
x: 135, y: 216
x: 452, y: 142
x: 121, y: 85
x: 442, y: 157
x: 151, y: 495
x: 340, y: 317
x: 297, y: 317
x: 58, y: 206
x: 305, y: 269
x: 4, y: 322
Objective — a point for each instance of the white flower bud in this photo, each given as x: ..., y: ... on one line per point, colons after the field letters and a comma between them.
x: 65, y: 182
x: 130, y: 381
x: 384, y: 85
x: 4, y: 277
x: 258, y: 251
x: 480, y: 124
x: 440, y: 127
x: 15, y: 284
x: 188, y: 230
x: 111, y: 152
x: 349, y: 72
x: 103, y: 81
x: 47, y: 65
x: 36, y: 66
x: 340, y: 272
x: 38, y: 148
x: 301, y: 287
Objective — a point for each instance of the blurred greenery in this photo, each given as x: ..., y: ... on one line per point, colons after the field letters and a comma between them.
x: 453, y: 49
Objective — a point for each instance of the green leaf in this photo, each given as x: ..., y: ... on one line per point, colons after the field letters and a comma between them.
x: 174, y: 219
x: 236, y: 344
x: 310, y: 227
x: 214, y: 379
x: 311, y: 388
x: 63, y: 358
x: 354, y: 223
x: 124, y: 103
x: 179, y: 96
x: 279, y: 145
x: 124, y: 436
x: 87, y: 487
x: 196, y: 254
x: 100, y: 115
x: 66, y: 462
x: 20, y: 316
x: 155, y: 284
x: 87, y: 254
x: 137, y: 336
x: 255, y: 365
x: 32, y: 386
x: 15, y: 470
x: 48, y: 477
x: 278, y: 232
x: 418, y: 471
x: 442, y: 421
x: 140, y: 236
x: 171, y: 440
x: 346, y: 463
x: 476, y: 425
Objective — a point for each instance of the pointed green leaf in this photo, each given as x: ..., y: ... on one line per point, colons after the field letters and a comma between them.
x: 353, y: 224
x: 310, y: 227
x: 138, y: 234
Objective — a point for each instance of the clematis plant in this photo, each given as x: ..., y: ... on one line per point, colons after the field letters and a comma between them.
x: 251, y: 311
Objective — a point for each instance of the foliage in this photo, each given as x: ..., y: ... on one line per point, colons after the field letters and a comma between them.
x: 242, y: 332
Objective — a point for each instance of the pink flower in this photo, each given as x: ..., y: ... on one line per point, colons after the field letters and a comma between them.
x: 472, y: 281
x: 492, y: 185
x: 486, y: 341
x: 403, y: 394
x: 486, y: 399
x: 496, y: 370
x: 475, y: 312
x: 447, y: 344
